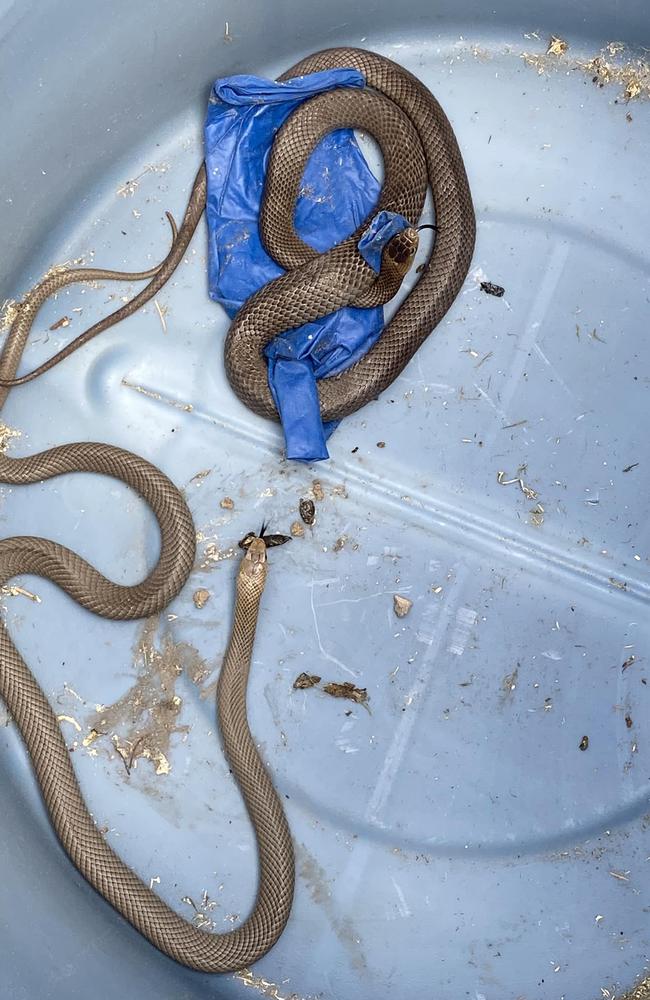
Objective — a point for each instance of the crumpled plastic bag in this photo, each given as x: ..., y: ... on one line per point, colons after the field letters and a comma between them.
x: 337, y: 194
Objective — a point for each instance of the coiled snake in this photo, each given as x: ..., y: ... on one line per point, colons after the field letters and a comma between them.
x: 419, y: 149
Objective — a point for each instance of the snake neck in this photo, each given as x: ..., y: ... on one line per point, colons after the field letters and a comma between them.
x: 251, y: 581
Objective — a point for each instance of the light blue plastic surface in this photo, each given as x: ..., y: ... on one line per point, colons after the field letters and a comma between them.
x: 453, y: 842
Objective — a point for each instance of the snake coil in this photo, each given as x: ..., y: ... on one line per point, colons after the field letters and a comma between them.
x: 419, y: 150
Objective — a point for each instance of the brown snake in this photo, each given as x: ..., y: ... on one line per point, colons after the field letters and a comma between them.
x: 419, y: 148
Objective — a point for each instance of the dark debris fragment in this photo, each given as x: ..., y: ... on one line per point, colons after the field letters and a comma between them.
x: 272, y: 541
x: 491, y: 289
x: 307, y: 511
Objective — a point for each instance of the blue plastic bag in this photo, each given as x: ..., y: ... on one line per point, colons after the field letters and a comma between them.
x: 338, y: 192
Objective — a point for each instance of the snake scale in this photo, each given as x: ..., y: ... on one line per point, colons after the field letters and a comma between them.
x: 420, y: 150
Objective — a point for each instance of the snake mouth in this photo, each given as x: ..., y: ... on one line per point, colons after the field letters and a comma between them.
x: 428, y: 225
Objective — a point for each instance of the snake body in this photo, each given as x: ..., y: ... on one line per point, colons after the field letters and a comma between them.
x: 419, y: 147
x: 420, y: 150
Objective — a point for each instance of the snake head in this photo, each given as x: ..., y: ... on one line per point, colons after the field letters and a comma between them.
x: 400, y: 250
x: 254, y: 565
x: 255, y: 554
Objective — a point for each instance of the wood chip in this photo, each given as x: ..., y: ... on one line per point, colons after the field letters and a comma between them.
x: 584, y: 743
x: 297, y: 529
x: 401, y: 605
x: 64, y: 321
x: 201, y: 597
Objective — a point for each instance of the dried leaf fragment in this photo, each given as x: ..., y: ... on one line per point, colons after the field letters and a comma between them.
x: 537, y: 516
x: 307, y: 510
x: 7, y: 433
x: 557, y: 46
x: 347, y: 690
x: 162, y: 764
x: 213, y: 554
x: 304, y: 681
